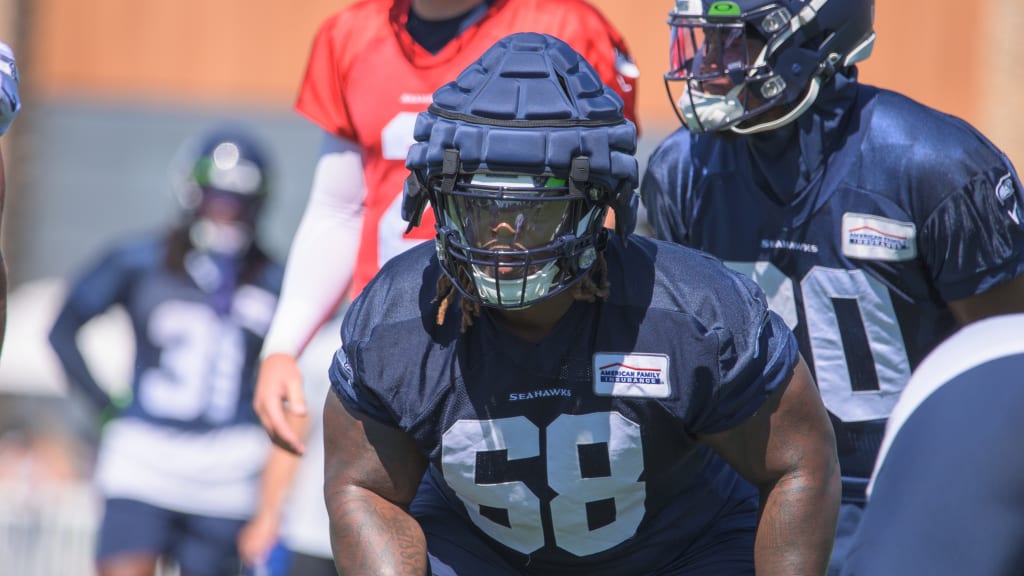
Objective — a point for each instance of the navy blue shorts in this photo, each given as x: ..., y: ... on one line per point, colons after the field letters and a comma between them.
x: 200, y: 545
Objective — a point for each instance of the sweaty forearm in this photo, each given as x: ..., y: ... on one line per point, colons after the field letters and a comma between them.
x: 796, y: 530
x: 370, y: 535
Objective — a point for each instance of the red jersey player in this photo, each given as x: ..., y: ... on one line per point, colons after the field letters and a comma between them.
x: 373, y: 68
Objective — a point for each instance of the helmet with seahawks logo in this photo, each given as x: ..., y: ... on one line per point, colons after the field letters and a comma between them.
x: 224, y: 188
x: 755, y: 65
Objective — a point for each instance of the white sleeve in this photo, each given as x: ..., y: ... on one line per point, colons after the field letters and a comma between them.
x: 321, y: 261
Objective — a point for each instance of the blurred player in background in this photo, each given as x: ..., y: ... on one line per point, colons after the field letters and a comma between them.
x: 372, y: 68
x: 179, y: 463
x: 876, y: 225
x: 10, y: 103
x: 292, y: 510
x: 561, y: 390
x: 947, y: 494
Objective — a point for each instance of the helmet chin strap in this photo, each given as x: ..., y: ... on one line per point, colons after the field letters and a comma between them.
x: 809, y: 98
x: 711, y: 113
x: 861, y: 52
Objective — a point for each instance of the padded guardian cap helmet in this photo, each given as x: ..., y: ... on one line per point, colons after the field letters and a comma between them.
x: 520, y: 158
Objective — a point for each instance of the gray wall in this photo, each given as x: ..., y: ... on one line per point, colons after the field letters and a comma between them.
x: 83, y: 175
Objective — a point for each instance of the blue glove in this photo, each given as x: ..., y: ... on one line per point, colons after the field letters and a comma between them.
x: 9, y: 101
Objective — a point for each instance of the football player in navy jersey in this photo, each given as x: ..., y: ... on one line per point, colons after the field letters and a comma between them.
x: 874, y: 224
x: 10, y: 103
x: 953, y: 438
x: 179, y: 464
x: 571, y: 399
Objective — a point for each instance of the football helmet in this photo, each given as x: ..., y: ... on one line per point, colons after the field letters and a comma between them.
x: 755, y: 65
x: 520, y: 158
x: 224, y: 189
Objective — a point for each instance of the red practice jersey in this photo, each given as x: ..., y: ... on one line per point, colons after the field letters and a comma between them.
x: 367, y: 79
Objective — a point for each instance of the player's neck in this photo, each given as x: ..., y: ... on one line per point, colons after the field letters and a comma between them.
x: 443, y: 9
x: 534, y: 323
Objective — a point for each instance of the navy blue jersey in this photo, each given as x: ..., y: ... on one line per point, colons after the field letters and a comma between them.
x: 578, y: 453
x: 195, y: 357
x: 947, y: 496
x: 860, y: 221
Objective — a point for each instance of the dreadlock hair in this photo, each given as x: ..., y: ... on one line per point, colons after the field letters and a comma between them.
x: 586, y: 289
x: 446, y: 294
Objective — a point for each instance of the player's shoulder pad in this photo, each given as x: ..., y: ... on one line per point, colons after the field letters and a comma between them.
x: 400, y: 291
x: 928, y: 137
x: 670, y: 156
x: 693, y: 283
x: 358, y: 20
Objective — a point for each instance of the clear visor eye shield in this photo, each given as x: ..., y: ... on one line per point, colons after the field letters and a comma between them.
x: 722, y: 68
x: 519, y: 237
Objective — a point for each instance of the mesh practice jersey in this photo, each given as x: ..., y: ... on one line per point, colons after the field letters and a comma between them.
x: 576, y: 454
x: 890, y: 211
x: 367, y: 79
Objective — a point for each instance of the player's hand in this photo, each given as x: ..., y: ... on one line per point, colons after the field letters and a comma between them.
x: 10, y: 103
x: 279, y: 390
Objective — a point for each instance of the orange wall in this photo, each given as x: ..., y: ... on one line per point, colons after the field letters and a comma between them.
x: 929, y: 54
x: 932, y: 55
x: 253, y: 51
x: 203, y: 50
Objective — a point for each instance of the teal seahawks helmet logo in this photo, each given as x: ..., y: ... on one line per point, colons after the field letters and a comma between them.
x: 724, y: 9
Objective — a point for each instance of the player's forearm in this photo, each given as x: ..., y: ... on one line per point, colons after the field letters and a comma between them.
x: 64, y: 343
x: 370, y: 535
x: 798, y: 523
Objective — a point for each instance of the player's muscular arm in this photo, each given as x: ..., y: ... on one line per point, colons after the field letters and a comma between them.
x: 1006, y: 298
x: 788, y: 450
x: 371, y: 473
